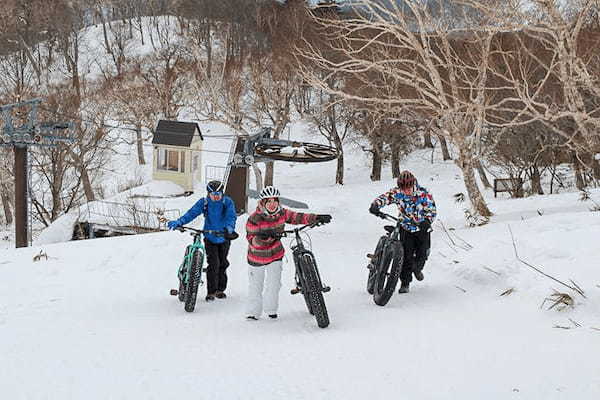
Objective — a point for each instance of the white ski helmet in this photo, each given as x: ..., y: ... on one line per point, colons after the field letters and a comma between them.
x: 268, y: 192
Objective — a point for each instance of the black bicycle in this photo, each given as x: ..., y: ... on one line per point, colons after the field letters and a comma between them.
x: 191, y: 268
x: 386, y: 262
x: 308, y: 279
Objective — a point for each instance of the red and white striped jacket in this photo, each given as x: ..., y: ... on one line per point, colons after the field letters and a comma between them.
x: 262, y: 252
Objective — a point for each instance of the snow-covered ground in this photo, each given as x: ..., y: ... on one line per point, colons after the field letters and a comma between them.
x: 95, y: 319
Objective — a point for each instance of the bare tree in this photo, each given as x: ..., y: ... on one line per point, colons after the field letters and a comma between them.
x: 6, y: 187
x: 422, y: 53
x: 333, y: 119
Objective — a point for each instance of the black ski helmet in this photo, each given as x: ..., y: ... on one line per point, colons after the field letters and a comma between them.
x: 214, y: 186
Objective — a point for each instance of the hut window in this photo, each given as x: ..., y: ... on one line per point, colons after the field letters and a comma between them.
x: 168, y: 160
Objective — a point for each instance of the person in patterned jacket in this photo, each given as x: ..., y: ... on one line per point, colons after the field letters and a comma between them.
x: 265, y: 250
x: 417, y: 213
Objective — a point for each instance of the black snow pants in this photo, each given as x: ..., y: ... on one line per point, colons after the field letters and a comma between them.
x: 416, y: 250
x: 216, y: 272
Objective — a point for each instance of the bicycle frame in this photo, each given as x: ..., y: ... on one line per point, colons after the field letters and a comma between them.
x: 187, y: 259
x: 196, y: 245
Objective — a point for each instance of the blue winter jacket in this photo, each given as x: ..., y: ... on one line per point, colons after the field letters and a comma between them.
x: 218, y: 215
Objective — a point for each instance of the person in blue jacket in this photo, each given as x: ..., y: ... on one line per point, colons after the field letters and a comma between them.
x: 219, y: 215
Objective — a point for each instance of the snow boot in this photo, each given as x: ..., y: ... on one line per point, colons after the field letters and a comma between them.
x: 220, y: 295
x: 210, y: 297
x: 403, y: 288
x: 419, y: 275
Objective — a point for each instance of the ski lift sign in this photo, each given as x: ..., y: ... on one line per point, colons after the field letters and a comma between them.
x: 32, y: 133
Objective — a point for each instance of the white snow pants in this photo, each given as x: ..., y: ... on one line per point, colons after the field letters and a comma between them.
x: 256, y: 282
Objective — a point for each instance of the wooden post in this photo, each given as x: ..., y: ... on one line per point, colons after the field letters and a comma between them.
x: 238, y: 181
x: 21, y: 217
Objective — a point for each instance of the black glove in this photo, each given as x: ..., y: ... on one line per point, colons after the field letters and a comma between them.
x: 323, y: 218
x: 267, y: 234
x: 425, y: 225
x: 375, y: 210
x: 230, y: 235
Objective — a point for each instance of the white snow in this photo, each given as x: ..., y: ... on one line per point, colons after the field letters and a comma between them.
x: 96, y: 320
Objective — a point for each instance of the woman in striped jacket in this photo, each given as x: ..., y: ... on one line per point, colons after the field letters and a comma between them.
x: 265, y: 250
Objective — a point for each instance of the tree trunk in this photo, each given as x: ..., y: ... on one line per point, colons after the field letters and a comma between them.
x: 466, y: 163
x: 427, y: 140
x: 579, y: 182
x: 141, y: 29
x: 87, y: 184
x: 596, y: 169
x: 5, y: 195
x: 536, y: 180
x: 377, y: 162
x: 208, y: 45
x: 140, y: 144
x: 482, y: 175
x: 339, y: 170
x: 444, y: 146
x: 395, y: 160
x: 269, y: 171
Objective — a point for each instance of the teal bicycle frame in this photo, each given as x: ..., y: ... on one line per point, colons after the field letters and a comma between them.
x: 184, y: 269
x: 191, y: 268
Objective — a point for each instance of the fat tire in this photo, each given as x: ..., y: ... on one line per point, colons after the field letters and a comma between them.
x: 372, y: 266
x: 314, y: 290
x: 388, y: 272
x: 181, y: 291
x: 191, y: 289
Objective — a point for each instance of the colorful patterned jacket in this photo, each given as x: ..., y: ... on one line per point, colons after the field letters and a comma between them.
x: 413, y: 209
x: 262, y: 252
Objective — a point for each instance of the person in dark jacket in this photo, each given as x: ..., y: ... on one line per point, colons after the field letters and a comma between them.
x: 417, y: 212
x: 219, y: 215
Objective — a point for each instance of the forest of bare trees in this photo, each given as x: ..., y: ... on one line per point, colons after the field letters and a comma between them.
x: 502, y: 89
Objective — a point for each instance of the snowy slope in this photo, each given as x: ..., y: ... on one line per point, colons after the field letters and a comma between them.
x: 96, y: 321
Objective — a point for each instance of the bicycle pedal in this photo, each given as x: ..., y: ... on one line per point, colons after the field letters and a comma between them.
x: 174, y: 292
x: 295, y: 291
x: 370, y: 255
x: 326, y: 289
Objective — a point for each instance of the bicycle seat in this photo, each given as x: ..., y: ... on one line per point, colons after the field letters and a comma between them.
x: 389, y: 228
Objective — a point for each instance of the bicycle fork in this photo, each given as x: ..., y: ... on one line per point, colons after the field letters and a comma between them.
x: 298, y: 289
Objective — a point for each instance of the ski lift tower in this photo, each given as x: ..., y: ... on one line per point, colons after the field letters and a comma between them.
x: 30, y: 133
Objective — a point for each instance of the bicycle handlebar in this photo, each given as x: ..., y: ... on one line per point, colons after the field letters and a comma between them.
x: 210, y: 232
x: 388, y: 217
x: 296, y: 230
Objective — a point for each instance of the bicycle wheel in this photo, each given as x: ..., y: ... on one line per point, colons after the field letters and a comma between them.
x: 191, y: 288
x: 372, y: 266
x: 181, y: 276
x: 297, y: 152
x: 388, y: 272
x: 314, y: 290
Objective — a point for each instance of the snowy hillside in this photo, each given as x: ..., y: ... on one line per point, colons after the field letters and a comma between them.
x: 95, y: 320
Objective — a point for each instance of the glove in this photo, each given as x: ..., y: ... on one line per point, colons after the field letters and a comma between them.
x: 425, y: 225
x: 267, y: 234
x: 230, y: 235
x: 374, y: 210
x: 173, y: 225
x: 323, y: 218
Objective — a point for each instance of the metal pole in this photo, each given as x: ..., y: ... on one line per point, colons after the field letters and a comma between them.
x: 21, y: 217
